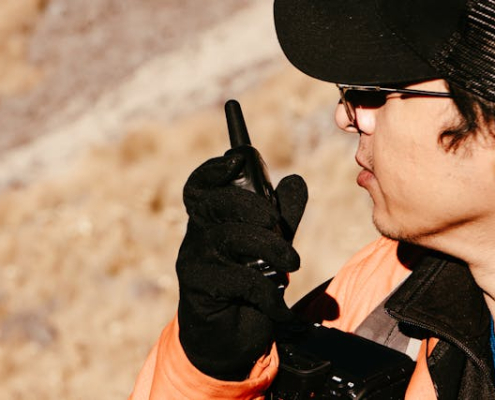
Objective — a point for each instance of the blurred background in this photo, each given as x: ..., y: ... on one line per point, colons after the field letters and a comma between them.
x: 105, y: 108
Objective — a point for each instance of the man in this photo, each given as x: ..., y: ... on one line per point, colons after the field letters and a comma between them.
x: 417, y: 82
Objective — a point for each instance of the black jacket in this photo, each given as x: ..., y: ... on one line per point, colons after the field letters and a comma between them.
x: 441, y: 299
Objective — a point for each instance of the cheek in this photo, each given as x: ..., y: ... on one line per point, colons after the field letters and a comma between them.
x: 397, y: 158
x: 411, y: 166
x: 407, y: 145
x: 429, y: 186
x: 407, y: 172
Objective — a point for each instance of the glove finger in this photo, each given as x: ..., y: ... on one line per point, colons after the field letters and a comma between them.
x: 240, y: 242
x: 237, y: 284
x: 292, y: 196
x: 264, y: 295
x: 218, y: 282
x: 215, y: 172
x: 231, y: 204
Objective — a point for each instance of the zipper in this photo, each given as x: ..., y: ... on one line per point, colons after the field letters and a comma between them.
x: 449, y: 338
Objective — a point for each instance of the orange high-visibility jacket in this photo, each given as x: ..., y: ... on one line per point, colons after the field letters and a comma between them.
x: 359, y: 287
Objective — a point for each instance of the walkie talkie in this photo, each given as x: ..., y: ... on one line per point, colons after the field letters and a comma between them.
x: 253, y: 177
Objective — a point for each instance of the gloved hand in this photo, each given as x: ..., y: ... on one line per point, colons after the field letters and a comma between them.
x: 228, y: 311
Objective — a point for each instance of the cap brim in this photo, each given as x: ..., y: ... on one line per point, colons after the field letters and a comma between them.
x: 345, y: 41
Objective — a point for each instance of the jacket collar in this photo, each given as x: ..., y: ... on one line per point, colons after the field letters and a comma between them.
x: 442, y: 299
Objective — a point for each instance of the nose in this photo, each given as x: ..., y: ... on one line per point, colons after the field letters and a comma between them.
x: 365, y: 117
x: 342, y: 120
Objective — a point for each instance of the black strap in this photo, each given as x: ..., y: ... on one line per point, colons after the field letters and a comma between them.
x: 382, y: 328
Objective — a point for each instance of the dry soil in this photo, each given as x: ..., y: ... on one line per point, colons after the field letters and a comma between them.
x: 106, y: 107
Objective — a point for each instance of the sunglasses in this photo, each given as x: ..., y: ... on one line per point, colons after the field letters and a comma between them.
x: 355, y: 96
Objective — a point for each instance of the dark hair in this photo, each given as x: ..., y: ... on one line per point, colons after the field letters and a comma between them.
x: 475, y: 112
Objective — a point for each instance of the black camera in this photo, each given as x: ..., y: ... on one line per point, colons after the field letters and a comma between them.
x: 326, y: 363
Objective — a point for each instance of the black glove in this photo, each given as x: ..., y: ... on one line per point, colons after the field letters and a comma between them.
x: 228, y: 311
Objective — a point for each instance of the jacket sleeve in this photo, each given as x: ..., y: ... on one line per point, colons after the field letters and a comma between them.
x: 357, y: 289
x: 168, y: 374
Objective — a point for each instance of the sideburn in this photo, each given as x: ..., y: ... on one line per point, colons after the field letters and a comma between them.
x: 476, y: 113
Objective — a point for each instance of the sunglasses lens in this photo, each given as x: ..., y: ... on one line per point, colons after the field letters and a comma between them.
x: 365, y: 99
x: 371, y: 97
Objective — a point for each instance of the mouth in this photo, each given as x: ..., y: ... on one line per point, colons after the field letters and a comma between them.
x: 366, y: 175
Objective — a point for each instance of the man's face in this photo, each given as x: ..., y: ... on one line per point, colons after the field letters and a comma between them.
x: 422, y: 192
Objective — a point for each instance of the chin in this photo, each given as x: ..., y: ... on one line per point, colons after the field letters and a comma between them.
x: 413, y: 234
x: 392, y: 230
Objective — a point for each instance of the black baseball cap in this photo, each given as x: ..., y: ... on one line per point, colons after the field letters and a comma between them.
x: 380, y: 42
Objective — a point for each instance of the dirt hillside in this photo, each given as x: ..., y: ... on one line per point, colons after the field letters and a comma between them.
x: 106, y: 107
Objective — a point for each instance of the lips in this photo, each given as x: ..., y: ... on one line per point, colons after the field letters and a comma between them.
x: 365, y: 175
